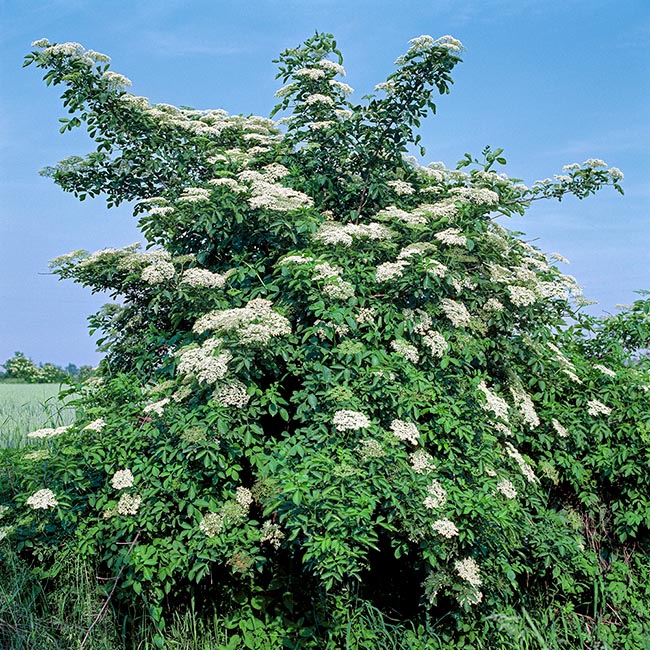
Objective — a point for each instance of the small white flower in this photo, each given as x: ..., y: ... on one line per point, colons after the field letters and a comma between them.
x: 468, y: 570
x: 436, y: 496
x: 346, y: 420
x: 96, y: 425
x: 405, y: 431
x: 43, y: 499
x: 507, y: 489
x: 604, y: 370
x: 445, y: 527
x: 123, y: 478
x: 598, y: 408
x: 129, y: 504
x: 211, y: 524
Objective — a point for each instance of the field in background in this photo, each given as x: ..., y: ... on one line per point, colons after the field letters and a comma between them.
x: 27, y: 407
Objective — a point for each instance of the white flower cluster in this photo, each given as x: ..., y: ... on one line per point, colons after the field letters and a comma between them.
x: 346, y: 420
x: 312, y: 73
x: 422, y: 462
x: 203, y: 278
x: 244, y: 498
x: 194, y: 195
x: 365, y: 315
x: 339, y: 290
x: 421, y: 43
x: 492, y: 305
x: 468, y: 570
x: 156, y: 407
x: 524, y: 405
x: 446, y: 208
x: 456, y: 312
x: 417, y: 248
x: 436, y: 496
x: 325, y: 270
x: 48, y: 432
x: 598, y: 408
x: 493, y: 402
x: 604, y: 369
x: 129, y: 504
x: 405, y: 350
x: 451, y: 237
x: 96, y: 425
x: 332, y: 232
x: 392, y: 213
x: 269, y: 195
x: 272, y: 534
x: 160, y: 210
x: 525, y: 468
x: 230, y: 183
x: 389, y: 270
x: 344, y: 88
x: 370, y: 448
x: 296, y: 259
x: 232, y: 394
x: 401, y: 188
x: 405, y: 431
x: 445, y: 527
x: 477, y: 196
x: 435, y: 268
x: 39, y: 454
x: 337, y: 68
x: 559, y: 258
x: 211, y: 524
x: 560, y: 430
x: 123, y: 478
x: 118, y: 81
x: 436, y: 343
x: 450, y: 43
x: 202, y: 364
x: 43, y: 499
x: 319, y: 99
x: 255, y: 324
x: 507, y: 488
x: 158, y: 272
x: 520, y: 296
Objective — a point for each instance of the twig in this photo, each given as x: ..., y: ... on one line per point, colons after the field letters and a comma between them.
x: 108, y: 599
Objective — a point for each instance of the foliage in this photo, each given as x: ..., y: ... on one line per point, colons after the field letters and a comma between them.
x: 333, y: 382
x: 20, y: 369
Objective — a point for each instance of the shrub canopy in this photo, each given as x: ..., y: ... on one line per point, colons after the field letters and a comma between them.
x: 331, y: 369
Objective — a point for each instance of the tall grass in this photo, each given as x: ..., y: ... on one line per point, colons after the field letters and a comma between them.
x: 27, y: 407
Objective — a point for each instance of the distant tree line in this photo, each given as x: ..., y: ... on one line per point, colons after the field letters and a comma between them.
x: 22, y: 369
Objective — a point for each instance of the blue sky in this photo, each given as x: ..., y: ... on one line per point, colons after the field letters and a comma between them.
x: 552, y: 82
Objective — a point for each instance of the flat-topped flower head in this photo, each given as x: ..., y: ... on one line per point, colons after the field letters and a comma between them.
x: 468, y: 570
x: 96, y: 425
x: 122, y: 479
x: 445, y: 527
x: 405, y: 431
x: 49, y: 432
x: 597, y: 408
x: 129, y: 504
x: 42, y: 500
x: 346, y: 420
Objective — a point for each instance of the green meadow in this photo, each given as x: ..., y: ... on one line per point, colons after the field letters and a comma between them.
x: 27, y: 407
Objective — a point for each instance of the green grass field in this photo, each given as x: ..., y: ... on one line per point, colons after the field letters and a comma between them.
x: 27, y: 407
